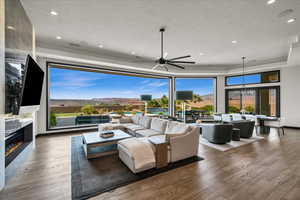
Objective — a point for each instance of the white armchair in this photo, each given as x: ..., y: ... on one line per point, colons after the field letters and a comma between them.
x: 184, y: 146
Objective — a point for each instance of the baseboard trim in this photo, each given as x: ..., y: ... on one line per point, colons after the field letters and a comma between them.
x: 292, y: 127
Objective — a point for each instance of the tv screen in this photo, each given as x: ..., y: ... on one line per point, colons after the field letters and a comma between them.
x: 184, y: 95
x: 32, y: 84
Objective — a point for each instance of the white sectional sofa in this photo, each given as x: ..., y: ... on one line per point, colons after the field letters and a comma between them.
x: 182, y: 139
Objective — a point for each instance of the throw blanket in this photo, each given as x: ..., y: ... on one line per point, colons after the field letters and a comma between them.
x: 141, y: 150
x: 108, y: 127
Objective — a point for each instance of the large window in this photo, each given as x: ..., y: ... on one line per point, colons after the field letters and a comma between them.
x: 263, y: 101
x: 78, y: 97
x: 203, y: 95
x: 264, y: 77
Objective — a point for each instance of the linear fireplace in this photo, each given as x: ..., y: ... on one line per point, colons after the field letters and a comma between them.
x: 17, y: 140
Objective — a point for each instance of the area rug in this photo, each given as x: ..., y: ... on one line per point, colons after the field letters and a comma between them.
x: 232, y: 144
x: 95, y: 176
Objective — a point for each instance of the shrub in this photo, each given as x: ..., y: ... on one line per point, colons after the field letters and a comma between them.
x: 249, y: 109
x: 88, y: 109
x: 208, y: 108
x: 233, y: 109
x: 53, y: 121
x: 120, y: 112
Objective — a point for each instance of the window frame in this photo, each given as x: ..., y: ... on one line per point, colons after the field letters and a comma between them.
x: 215, y: 90
x: 240, y: 75
x: 95, y: 69
x: 257, y: 101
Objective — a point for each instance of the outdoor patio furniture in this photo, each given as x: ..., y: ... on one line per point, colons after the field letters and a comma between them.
x: 93, y: 119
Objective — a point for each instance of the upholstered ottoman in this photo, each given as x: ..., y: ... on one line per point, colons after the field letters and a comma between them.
x: 137, y: 154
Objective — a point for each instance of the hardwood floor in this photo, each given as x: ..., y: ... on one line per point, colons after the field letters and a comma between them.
x: 268, y: 169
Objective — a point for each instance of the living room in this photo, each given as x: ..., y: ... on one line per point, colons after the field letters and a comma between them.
x: 149, y: 100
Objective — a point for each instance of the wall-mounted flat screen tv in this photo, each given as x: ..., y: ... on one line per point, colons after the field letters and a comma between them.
x: 32, y: 84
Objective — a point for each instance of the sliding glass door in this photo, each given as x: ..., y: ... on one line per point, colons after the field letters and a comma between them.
x: 234, y: 98
x: 268, y: 101
x: 263, y: 101
x: 249, y: 101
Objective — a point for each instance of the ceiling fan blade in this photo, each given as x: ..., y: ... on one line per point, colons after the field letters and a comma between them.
x: 178, y: 66
x: 156, y: 66
x: 186, y: 62
x: 165, y: 55
x: 181, y: 57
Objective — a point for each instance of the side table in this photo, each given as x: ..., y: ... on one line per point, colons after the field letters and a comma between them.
x: 236, y: 134
x: 161, y: 150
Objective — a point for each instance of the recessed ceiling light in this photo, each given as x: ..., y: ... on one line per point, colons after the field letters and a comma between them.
x: 53, y: 13
x: 100, y: 45
x: 201, y: 54
x: 291, y: 20
x: 271, y: 2
x: 58, y: 37
x: 133, y: 53
x: 11, y: 28
x: 233, y: 41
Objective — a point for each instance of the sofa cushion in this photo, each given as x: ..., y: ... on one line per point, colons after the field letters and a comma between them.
x: 147, y: 132
x: 136, y: 119
x: 145, y: 122
x: 175, y: 129
x: 158, y: 125
x: 133, y: 127
x: 125, y: 120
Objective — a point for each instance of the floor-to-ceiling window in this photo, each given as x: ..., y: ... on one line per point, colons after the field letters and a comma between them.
x: 241, y: 99
x: 261, y: 99
x: 269, y: 101
x: 78, y: 96
x: 203, y: 103
x: 234, y: 101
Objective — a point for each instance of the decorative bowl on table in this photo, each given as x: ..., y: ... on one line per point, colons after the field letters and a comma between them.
x: 106, y: 134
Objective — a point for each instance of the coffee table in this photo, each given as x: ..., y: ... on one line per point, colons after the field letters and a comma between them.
x: 95, y: 146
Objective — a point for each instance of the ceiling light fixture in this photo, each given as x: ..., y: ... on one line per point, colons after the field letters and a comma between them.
x: 58, y: 37
x: 133, y: 53
x: 100, y: 46
x: 233, y: 41
x: 291, y: 20
x: 271, y: 2
x: 201, y: 54
x: 53, y: 13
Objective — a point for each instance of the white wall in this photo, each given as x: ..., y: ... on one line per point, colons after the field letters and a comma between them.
x: 220, y: 94
x: 42, y: 113
x: 290, y: 95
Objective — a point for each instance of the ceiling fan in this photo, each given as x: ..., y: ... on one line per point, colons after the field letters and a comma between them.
x: 174, y: 62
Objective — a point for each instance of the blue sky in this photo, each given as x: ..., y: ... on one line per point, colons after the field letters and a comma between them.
x: 75, y: 84
x: 252, y: 78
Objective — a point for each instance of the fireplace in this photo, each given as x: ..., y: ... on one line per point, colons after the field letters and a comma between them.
x: 17, y: 140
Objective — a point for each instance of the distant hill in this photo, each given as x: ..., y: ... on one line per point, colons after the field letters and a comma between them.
x: 94, y: 102
x: 109, y: 101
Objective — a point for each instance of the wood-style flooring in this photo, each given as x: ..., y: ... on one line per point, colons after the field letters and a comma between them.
x: 268, y: 169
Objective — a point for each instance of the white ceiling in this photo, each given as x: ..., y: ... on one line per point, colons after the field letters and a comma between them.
x: 193, y: 26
